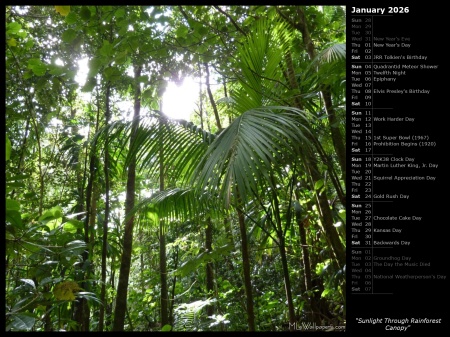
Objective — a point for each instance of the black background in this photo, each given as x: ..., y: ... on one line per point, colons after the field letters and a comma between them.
x: 426, y: 25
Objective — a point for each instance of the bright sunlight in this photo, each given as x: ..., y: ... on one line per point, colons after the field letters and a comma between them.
x: 179, y: 101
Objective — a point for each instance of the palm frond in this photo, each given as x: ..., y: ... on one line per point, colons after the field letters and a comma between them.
x: 327, y: 68
x: 254, y: 145
x: 260, y: 57
x: 332, y: 53
x: 176, y: 203
x: 182, y: 143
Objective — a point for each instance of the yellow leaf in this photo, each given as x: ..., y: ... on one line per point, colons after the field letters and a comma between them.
x: 63, y: 10
x: 12, y: 42
x: 65, y: 290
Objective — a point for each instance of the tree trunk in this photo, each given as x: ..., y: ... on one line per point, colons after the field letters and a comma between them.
x: 301, y: 223
x: 122, y: 287
x: 172, y: 297
x: 81, y: 307
x: 209, y: 266
x: 162, y: 244
x: 163, y: 274
x: 246, y: 267
x: 104, y: 240
x: 211, y: 99
x: 287, y: 282
x: 282, y: 248
x: 200, y: 98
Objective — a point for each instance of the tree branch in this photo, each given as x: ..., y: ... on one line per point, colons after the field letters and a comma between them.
x: 231, y: 19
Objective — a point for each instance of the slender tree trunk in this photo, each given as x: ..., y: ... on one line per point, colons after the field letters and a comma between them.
x: 211, y: 99
x: 287, y: 281
x: 163, y: 274
x: 209, y: 266
x: 172, y: 297
x: 200, y: 96
x: 336, y: 136
x: 81, y: 307
x: 162, y: 243
x: 246, y: 267
x: 301, y: 223
x: 282, y: 248
x: 41, y: 175
x: 105, y: 229
x: 122, y: 287
x: 109, y: 303
x: 22, y: 151
x: 92, y: 219
x: 304, y: 246
x: 225, y: 94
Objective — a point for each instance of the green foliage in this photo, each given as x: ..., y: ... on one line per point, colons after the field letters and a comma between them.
x: 21, y: 322
x: 7, y: 147
x: 193, y: 264
x: 58, y: 135
x: 37, y: 67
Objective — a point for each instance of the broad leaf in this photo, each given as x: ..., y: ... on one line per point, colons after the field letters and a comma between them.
x: 13, y: 28
x: 12, y: 205
x: 29, y: 282
x: 22, y: 322
x: 7, y: 148
x: 53, y: 213
x: 63, y: 10
x: 73, y: 248
x: 69, y: 35
x: 37, y: 67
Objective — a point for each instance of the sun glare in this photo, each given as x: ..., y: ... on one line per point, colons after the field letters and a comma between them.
x: 179, y: 101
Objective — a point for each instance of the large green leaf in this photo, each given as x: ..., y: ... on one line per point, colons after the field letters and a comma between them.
x: 69, y: 35
x: 37, y: 67
x: 7, y: 148
x: 181, y: 31
x: 13, y: 28
x: 89, y: 296
x: 12, y: 205
x: 73, y: 248
x: 107, y: 49
x: 14, y: 218
x: 166, y: 327
x: 53, y: 213
x: 22, y: 322
x: 29, y: 282
x: 85, y: 13
x: 112, y: 74
x: 72, y: 226
x: 192, y: 264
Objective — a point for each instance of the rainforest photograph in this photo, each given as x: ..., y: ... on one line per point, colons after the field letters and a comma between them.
x: 175, y: 168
